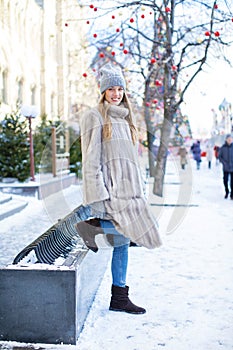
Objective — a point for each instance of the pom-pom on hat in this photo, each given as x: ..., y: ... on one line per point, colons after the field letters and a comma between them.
x: 111, y: 75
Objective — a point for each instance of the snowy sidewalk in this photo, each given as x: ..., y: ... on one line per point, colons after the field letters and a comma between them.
x: 186, y: 285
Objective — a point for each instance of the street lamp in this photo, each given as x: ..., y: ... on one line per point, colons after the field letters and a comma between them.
x: 30, y: 112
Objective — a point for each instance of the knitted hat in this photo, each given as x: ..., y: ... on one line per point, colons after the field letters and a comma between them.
x: 228, y: 136
x: 111, y: 75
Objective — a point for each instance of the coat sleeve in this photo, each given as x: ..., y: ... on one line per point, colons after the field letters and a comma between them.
x: 221, y: 156
x: 94, y: 189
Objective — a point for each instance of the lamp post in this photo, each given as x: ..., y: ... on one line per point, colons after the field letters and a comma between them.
x: 30, y: 112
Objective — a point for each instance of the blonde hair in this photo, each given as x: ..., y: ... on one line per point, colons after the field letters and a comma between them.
x: 107, y: 126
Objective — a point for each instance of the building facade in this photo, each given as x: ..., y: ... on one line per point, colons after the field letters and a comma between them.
x: 43, y: 57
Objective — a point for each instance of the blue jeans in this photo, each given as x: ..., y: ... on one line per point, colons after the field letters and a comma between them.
x: 119, y: 254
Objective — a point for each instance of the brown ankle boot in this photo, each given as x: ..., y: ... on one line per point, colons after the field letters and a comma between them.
x: 121, y: 302
x: 87, y: 230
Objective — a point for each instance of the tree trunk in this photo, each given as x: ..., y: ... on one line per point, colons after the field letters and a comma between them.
x: 162, y: 156
x: 151, y: 156
x: 149, y: 129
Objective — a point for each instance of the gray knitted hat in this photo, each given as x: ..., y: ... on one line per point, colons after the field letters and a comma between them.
x: 111, y: 75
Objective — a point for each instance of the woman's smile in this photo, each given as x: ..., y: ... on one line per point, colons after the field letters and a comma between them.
x: 114, y: 95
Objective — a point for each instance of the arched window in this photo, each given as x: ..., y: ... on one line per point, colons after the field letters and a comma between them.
x: 20, y: 91
x: 52, y: 105
x: 33, y: 95
x: 3, y: 86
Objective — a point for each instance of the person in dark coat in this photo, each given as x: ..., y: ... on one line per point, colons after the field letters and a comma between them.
x: 196, y: 150
x: 226, y: 158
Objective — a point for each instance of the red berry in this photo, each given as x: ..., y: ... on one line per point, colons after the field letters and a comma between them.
x: 142, y: 16
x: 84, y: 75
x: 153, y: 60
x: 125, y: 51
x: 207, y: 33
x: 217, y: 34
x: 131, y: 20
x: 148, y: 104
x: 113, y: 53
x: 101, y: 55
x: 88, y: 22
x: 215, y: 6
x: 155, y: 101
x: 95, y: 9
x: 95, y: 35
x: 117, y: 30
x: 167, y: 9
x: 91, y: 6
x: 121, y: 44
x: 66, y: 24
x: 174, y: 68
x: 232, y: 20
x: 158, y: 82
x: 113, y: 17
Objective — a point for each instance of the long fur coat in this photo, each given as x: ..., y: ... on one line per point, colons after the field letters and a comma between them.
x: 111, y: 174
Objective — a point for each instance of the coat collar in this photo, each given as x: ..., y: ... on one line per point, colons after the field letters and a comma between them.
x: 117, y: 111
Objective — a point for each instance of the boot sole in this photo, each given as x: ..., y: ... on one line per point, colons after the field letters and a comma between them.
x: 129, y: 312
x: 95, y: 250
x: 78, y: 229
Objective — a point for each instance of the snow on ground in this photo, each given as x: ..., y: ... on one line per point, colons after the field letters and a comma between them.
x: 186, y: 285
x: 19, y: 230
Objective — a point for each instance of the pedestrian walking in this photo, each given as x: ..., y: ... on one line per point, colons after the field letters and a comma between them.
x: 216, y: 151
x: 196, y: 150
x: 112, y: 183
x: 226, y: 158
x: 209, y: 155
x: 182, y: 152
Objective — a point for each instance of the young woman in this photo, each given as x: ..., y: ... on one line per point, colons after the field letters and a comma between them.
x: 112, y: 183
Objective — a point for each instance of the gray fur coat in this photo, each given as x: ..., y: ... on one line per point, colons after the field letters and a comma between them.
x: 111, y: 174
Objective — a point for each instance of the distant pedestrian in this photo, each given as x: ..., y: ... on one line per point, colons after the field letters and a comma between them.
x: 226, y: 158
x: 216, y: 151
x: 182, y: 152
x: 209, y: 155
x: 196, y: 150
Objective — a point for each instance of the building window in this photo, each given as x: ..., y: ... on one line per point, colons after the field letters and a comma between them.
x: 3, y: 84
x: 33, y: 95
x: 20, y: 91
x: 52, y: 102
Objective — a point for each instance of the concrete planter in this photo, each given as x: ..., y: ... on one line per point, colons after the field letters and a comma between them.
x: 48, y: 290
x: 49, y: 304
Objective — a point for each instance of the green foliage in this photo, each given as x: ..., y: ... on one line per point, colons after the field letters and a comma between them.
x: 14, y: 147
x: 75, y: 153
x: 43, y: 145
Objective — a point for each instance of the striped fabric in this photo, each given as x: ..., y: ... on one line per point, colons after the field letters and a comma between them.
x: 58, y: 241
x: 111, y: 173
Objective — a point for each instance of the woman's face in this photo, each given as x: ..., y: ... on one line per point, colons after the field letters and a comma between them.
x: 114, y: 95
